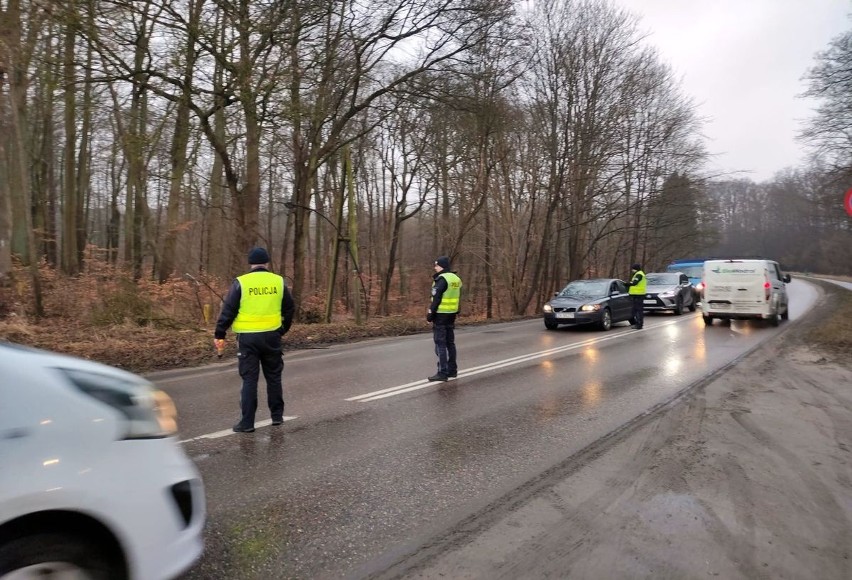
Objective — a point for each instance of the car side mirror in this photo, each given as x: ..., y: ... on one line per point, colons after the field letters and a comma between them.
x: 787, y: 278
x: 555, y: 294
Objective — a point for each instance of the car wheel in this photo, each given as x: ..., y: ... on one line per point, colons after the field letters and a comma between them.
x: 678, y: 306
x: 776, y: 319
x: 606, y: 320
x: 708, y: 320
x: 693, y: 304
x: 51, y: 555
x: 550, y: 325
x: 786, y: 314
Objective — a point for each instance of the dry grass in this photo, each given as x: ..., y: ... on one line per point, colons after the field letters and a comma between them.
x: 834, y: 335
x: 148, y: 348
x: 142, y: 327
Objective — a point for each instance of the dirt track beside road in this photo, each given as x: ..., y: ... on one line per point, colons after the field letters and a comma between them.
x: 746, y: 476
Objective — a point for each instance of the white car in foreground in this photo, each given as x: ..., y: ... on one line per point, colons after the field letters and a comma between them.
x: 93, y: 484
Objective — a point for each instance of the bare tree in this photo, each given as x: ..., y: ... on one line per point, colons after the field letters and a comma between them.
x: 829, y: 131
x: 401, y: 150
x: 178, y: 153
x: 15, y: 52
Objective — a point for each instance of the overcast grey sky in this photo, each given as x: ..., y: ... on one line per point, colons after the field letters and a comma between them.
x: 742, y: 62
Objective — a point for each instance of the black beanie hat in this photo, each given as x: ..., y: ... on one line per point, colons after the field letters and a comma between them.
x: 443, y: 262
x: 258, y: 256
x: 636, y: 267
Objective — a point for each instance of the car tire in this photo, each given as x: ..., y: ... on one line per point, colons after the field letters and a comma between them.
x: 708, y: 320
x: 606, y: 319
x: 776, y: 319
x: 786, y: 314
x: 693, y: 305
x: 45, y: 554
x: 678, y: 310
x: 550, y: 325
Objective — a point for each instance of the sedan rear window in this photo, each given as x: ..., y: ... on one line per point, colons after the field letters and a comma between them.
x: 663, y: 279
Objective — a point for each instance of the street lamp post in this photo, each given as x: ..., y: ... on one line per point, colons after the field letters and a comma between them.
x: 333, y: 266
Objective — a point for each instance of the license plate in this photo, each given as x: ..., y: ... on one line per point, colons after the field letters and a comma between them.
x: 650, y: 302
x: 564, y: 315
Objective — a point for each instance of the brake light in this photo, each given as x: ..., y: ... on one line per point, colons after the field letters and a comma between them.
x: 767, y: 287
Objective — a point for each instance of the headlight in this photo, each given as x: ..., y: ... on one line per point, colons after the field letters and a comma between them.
x: 548, y: 308
x: 590, y: 307
x: 150, y: 413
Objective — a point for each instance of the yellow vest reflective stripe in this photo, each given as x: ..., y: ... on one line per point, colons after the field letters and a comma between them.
x: 639, y: 289
x: 260, y: 302
x: 450, y: 300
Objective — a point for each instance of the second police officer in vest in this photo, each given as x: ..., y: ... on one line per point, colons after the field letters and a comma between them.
x: 638, y: 284
x: 259, y: 310
x: 446, y: 291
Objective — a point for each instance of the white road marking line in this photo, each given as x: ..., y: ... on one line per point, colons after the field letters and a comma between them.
x: 226, y: 432
x: 424, y: 383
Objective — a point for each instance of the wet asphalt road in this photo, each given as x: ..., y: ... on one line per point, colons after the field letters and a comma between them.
x: 374, y: 460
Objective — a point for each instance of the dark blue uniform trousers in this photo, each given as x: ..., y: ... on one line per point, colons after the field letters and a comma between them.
x: 445, y: 347
x: 638, y: 309
x: 260, y: 350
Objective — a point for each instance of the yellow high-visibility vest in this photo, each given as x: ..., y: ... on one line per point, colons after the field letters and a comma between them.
x: 639, y: 289
x: 450, y: 300
x: 260, y: 302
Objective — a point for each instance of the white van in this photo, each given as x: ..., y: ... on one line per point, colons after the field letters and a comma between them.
x: 742, y: 289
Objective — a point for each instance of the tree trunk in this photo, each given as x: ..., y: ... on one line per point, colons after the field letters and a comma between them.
x: 180, y: 140
x: 19, y: 175
x: 70, y: 250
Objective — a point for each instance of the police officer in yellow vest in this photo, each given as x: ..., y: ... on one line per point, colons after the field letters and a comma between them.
x: 637, y: 286
x: 259, y: 310
x: 446, y: 291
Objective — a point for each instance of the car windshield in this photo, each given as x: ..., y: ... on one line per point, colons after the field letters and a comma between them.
x: 586, y: 289
x: 663, y: 279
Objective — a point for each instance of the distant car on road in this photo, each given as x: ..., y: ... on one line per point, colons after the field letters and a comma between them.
x: 93, y: 484
x: 601, y: 301
x: 669, y: 291
x: 694, y: 269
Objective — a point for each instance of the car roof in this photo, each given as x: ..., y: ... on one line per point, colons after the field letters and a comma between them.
x: 594, y: 280
x: 744, y: 261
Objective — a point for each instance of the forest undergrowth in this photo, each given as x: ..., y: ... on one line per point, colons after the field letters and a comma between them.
x: 143, y: 326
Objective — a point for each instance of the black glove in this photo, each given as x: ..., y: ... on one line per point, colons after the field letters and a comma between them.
x: 430, y: 317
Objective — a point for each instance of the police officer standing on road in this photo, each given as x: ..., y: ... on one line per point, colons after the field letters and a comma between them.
x: 446, y: 291
x: 638, y: 284
x: 259, y: 310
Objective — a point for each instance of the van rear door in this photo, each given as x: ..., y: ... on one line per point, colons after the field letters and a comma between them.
x: 737, y: 286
